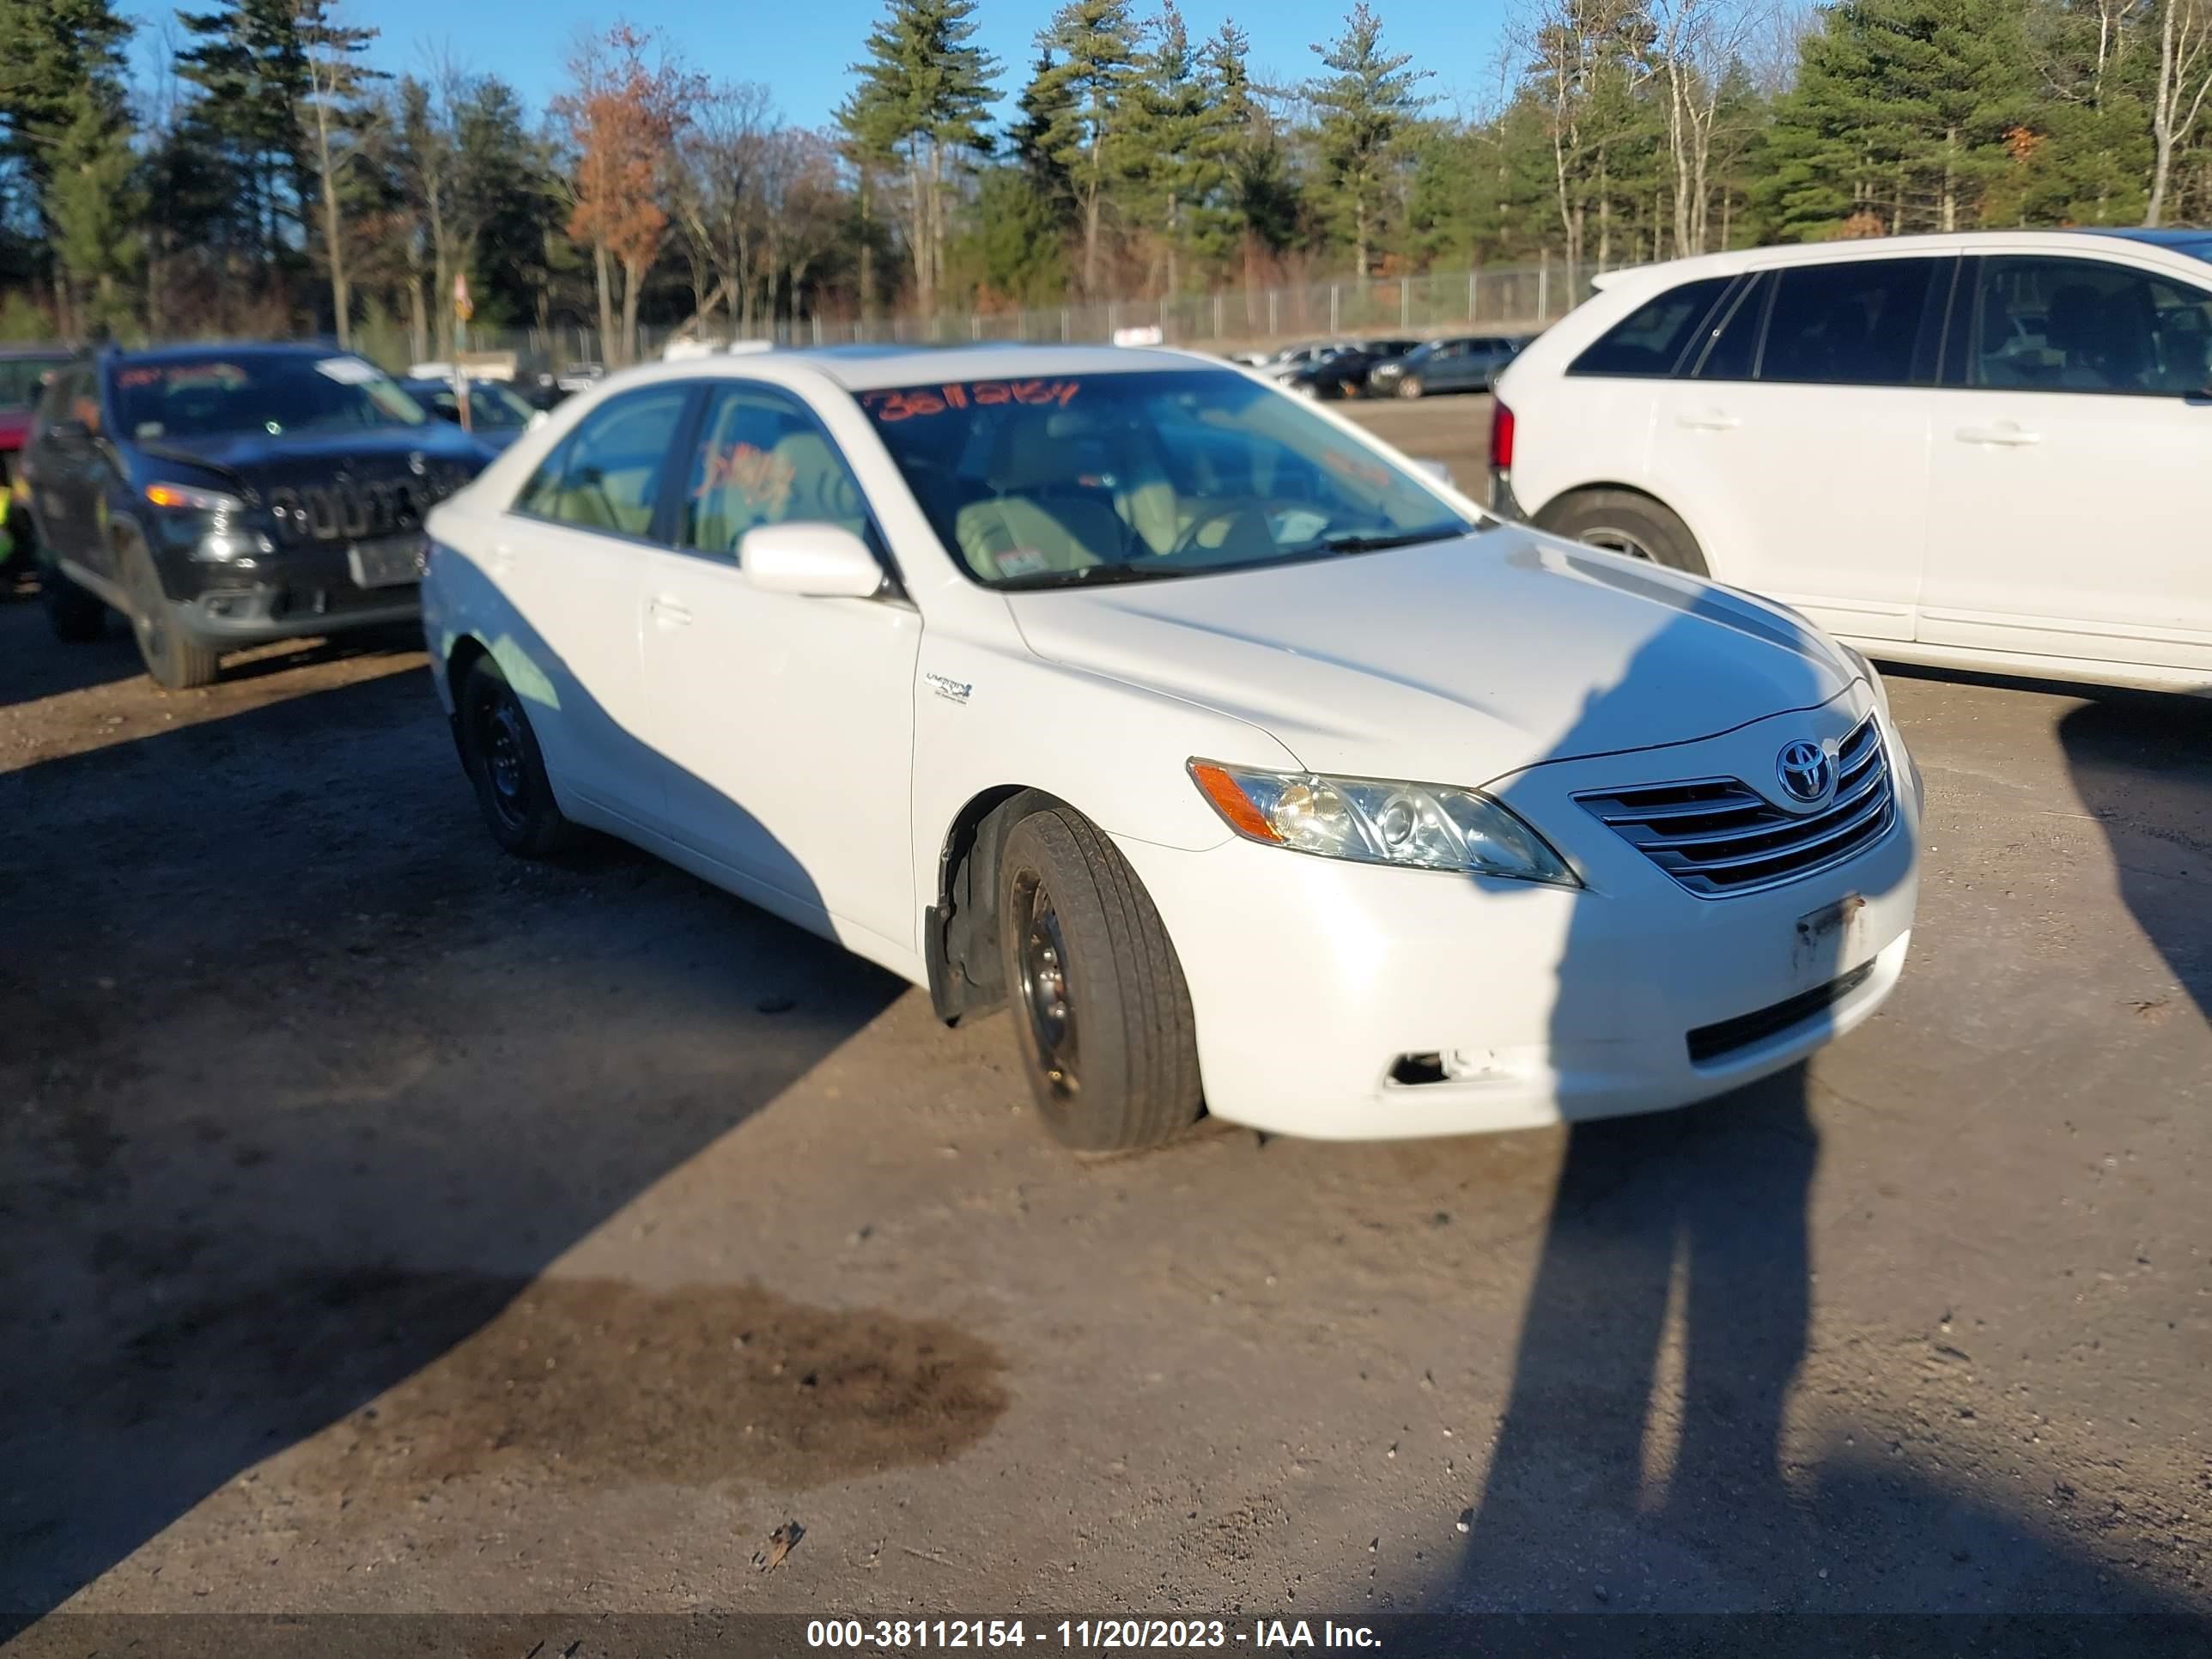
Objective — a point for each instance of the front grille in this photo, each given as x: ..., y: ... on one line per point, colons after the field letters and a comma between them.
x: 1718, y: 1040
x: 352, y: 508
x: 1718, y: 836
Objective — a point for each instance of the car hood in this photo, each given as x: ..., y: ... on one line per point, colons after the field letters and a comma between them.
x: 249, y: 453
x: 1452, y: 662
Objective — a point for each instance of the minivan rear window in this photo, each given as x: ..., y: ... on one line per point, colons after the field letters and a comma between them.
x: 1651, y: 340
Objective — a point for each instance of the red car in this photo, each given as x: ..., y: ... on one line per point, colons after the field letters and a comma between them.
x: 24, y: 372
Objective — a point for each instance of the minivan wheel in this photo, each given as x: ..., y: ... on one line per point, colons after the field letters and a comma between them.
x: 499, y: 752
x: 1622, y: 521
x: 1102, y: 1016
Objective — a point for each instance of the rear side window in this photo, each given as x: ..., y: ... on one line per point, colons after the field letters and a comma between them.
x: 1731, y: 349
x: 2050, y: 324
x: 1856, y: 323
x: 1651, y: 340
x: 607, y: 475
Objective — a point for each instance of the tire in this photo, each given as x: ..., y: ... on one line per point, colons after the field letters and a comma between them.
x: 1410, y: 386
x: 500, y: 755
x: 176, y: 659
x: 1102, y: 1015
x: 1623, y: 521
x: 75, y: 617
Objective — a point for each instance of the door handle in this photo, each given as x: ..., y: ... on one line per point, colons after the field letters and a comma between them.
x: 2004, y: 432
x: 669, y: 613
x: 1712, y: 420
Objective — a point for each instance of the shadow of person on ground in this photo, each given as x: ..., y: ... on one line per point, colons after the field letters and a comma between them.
x: 308, y: 1088
x: 2142, y: 764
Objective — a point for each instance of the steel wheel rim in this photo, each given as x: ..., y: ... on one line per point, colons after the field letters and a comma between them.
x: 1046, y: 1002
x: 500, y: 738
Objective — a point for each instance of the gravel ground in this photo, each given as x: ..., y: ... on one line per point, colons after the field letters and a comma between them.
x: 387, y: 1225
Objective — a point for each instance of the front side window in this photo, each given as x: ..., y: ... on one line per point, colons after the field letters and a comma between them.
x: 212, y: 394
x: 763, y: 459
x: 1651, y: 339
x: 1142, y: 475
x: 2056, y: 324
x: 1849, y: 323
x: 606, y: 476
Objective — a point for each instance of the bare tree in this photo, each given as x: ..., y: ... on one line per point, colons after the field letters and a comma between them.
x: 335, y: 81
x: 2185, y: 77
x: 716, y: 186
x: 1698, y: 39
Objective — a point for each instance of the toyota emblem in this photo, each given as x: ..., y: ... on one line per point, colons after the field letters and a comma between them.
x: 1807, y: 773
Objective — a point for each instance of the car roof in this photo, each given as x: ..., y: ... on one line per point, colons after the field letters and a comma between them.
x: 1875, y: 247
x: 872, y: 367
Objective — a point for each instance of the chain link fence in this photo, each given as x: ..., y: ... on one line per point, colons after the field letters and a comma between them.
x: 1501, y: 299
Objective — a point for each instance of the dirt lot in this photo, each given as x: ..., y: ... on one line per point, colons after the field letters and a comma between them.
x: 385, y: 1225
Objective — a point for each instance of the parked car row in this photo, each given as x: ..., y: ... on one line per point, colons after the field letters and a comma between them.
x: 1400, y: 367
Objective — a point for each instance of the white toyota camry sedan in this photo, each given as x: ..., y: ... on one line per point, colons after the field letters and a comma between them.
x: 1257, y: 770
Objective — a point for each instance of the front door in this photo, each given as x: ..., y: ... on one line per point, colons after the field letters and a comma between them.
x: 788, y: 720
x: 2069, y: 514
x: 1797, y: 448
x: 568, y: 561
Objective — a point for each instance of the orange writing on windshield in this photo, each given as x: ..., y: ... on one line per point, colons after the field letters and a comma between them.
x: 911, y: 403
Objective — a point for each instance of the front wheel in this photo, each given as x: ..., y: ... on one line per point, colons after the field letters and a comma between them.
x: 499, y: 752
x: 176, y: 659
x: 1101, y: 1013
x: 1622, y: 521
x: 1410, y: 386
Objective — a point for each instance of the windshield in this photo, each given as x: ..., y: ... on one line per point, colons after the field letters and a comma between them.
x: 1139, y: 476
x: 202, y: 396
x: 23, y: 378
x: 490, y: 405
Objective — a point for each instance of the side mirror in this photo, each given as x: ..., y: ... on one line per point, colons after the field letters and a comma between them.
x: 1436, y: 469
x: 818, y: 560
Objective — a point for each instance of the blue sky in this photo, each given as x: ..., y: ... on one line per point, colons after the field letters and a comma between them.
x: 803, y: 56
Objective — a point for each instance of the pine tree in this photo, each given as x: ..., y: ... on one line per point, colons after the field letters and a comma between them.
x: 94, y: 204
x: 1259, y: 205
x: 1899, y: 117
x: 1178, y: 139
x: 1092, y: 48
x: 251, y: 65
x: 1364, y: 107
x: 922, y: 104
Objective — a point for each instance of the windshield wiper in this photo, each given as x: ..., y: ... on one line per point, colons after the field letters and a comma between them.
x: 1089, y: 575
x: 1372, y: 541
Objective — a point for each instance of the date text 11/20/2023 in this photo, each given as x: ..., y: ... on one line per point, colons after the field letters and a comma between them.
x: 1101, y: 1633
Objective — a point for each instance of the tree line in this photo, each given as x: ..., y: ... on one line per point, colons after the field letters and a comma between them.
x: 276, y: 174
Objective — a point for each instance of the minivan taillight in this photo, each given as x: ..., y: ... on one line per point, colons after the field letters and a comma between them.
x: 1501, y: 437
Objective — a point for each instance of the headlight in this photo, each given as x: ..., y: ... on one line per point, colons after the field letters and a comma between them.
x: 192, y: 498
x: 1372, y: 821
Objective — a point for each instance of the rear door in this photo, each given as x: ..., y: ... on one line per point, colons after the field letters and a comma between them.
x: 566, y: 567
x: 1795, y: 441
x: 788, y: 720
x: 2070, y: 495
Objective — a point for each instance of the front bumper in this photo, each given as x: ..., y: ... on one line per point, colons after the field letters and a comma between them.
x: 1311, y: 979
x: 309, y: 591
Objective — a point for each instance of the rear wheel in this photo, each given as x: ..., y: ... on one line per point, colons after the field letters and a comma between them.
x: 1622, y: 521
x: 176, y: 658
x: 500, y: 753
x: 1101, y: 1013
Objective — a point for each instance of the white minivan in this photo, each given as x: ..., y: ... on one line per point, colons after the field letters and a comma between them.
x: 1986, y: 451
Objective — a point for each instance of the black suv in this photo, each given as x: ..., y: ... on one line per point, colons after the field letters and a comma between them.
x: 223, y: 495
